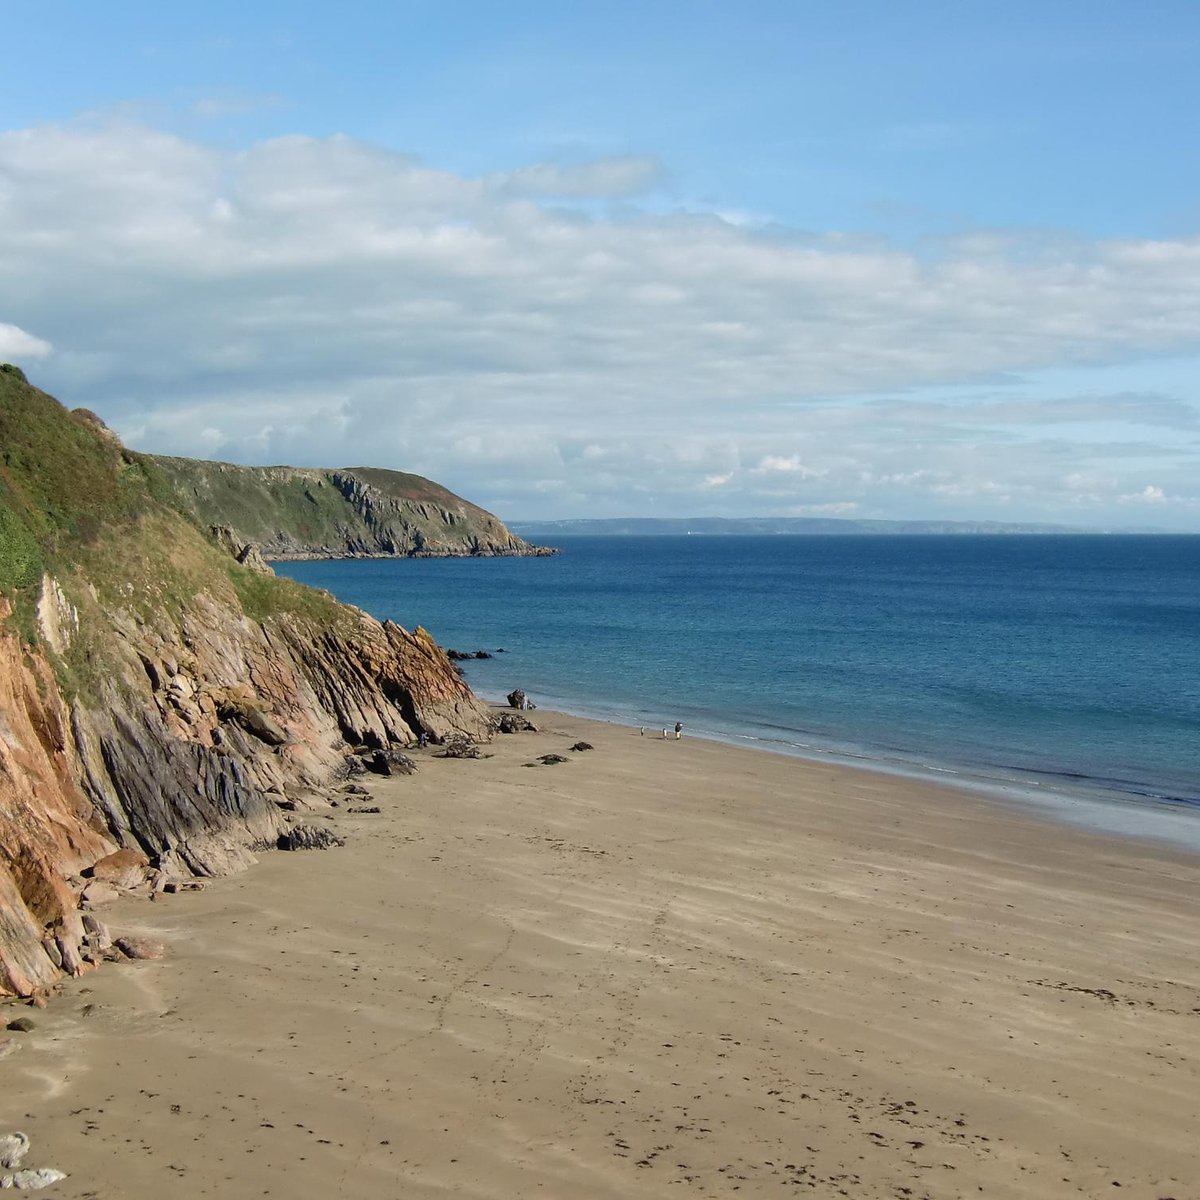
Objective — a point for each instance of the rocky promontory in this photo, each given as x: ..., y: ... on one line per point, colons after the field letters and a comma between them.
x: 351, y: 512
x: 160, y: 689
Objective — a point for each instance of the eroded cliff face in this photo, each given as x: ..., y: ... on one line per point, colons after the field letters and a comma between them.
x: 160, y: 690
x: 48, y: 829
x: 356, y: 512
x: 184, y: 748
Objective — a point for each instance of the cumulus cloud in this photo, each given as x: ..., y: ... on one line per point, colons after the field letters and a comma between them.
x: 16, y: 343
x: 1148, y: 495
x: 789, y: 465
x: 326, y: 300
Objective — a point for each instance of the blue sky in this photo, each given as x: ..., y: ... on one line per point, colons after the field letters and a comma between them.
x: 866, y: 259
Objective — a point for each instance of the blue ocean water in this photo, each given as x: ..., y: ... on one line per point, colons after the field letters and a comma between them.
x: 1062, y: 665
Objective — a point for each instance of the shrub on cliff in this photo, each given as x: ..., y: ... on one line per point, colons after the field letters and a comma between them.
x: 20, y: 557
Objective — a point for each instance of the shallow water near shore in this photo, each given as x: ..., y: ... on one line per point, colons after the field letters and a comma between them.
x: 1063, y: 671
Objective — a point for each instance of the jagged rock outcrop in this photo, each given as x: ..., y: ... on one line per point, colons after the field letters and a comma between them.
x: 48, y: 828
x: 247, y: 553
x: 158, y: 691
x: 353, y: 512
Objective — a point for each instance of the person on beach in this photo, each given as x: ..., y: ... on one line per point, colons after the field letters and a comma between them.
x: 665, y: 732
x: 678, y: 730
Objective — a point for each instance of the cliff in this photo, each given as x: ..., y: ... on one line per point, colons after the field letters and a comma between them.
x: 159, y: 691
x: 356, y: 512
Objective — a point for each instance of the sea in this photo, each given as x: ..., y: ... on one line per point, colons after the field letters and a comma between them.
x: 1061, y: 672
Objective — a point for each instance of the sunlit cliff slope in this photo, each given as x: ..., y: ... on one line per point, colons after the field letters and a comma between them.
x: 160, y: 689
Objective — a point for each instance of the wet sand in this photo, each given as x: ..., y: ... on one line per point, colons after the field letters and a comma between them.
x: 659, y: 968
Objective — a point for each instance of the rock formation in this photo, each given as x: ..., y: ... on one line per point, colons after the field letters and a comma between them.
x: 159, y: 686
x: 355, y: 512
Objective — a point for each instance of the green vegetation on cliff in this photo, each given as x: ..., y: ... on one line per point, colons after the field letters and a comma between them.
x: 105, y: 523
x: 160, y: 687
x: 297, y: 512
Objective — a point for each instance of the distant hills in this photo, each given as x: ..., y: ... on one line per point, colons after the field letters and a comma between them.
x: 743, y: 526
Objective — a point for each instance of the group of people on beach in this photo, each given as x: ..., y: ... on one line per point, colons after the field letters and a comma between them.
x: 667, y: 731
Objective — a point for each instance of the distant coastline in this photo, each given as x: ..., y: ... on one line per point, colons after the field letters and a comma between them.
x: 812, y: 526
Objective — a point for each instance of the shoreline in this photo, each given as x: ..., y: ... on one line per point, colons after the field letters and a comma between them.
x: 1148, y: 817
x: 656, y: 966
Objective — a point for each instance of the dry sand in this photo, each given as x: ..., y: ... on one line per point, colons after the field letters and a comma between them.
x: 660, y: 968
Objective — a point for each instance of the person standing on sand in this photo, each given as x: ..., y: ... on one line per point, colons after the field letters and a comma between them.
x: 678, y: 730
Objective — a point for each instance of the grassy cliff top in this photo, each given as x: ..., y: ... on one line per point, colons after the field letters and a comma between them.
x: 214, y: 475
x: 105, y: 522
x: 291, y: 511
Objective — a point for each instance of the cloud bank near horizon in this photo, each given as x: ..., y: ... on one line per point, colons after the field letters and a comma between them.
x: 551, y: 342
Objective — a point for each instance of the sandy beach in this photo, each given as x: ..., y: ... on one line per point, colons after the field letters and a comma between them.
x: 660, y: 967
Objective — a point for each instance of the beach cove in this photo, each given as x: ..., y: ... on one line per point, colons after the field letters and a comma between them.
x: 656, y: 967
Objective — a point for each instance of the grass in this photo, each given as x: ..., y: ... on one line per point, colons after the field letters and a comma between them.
x: 106, y: 523
x: 278, y: 507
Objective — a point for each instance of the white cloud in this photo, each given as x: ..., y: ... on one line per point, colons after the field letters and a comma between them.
x: 790, y: 465
x: 324, y: 300
x: 1148, y: 495
x: 16, y: 343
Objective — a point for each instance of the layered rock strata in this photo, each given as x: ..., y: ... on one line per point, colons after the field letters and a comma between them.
x: 160, y: 691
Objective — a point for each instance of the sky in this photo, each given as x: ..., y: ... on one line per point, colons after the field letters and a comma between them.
x: 866, y: 259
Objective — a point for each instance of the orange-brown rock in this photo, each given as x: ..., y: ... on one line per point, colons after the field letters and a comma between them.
x: 45, y: 818
x: 199, y: 689
x: 123, y: 868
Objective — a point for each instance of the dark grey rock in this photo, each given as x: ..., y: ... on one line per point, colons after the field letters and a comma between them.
x: 460, y: 746
x: 309, y: 837
x: 511, y: 722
